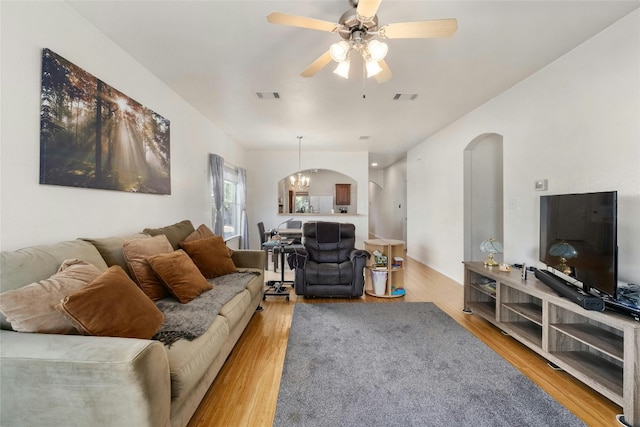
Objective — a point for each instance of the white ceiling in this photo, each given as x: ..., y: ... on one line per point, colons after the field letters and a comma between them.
x: 218, y: 54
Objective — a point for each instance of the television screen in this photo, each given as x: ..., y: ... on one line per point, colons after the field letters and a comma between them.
x: 578, y: 238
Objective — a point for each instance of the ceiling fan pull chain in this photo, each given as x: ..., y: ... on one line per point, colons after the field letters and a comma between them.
x: 364, y: 81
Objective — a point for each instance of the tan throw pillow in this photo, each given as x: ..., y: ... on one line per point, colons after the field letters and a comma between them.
x: 111, y: 248
x: 176, y: 233
x: 136, y: 252
x: 112, y: 306
x: 180, y: 275
x: 31, y: 308
x: 211, y: 256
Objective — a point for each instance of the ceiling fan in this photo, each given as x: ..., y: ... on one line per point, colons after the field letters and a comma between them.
x: 359, y: 30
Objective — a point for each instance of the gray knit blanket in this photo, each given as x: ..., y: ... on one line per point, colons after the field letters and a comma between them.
x: 189, y: 321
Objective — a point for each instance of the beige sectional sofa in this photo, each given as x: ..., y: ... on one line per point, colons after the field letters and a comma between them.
x: 79, y: 380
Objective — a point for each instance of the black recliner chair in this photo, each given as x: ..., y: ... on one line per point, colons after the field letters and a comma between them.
x: 330, y: 266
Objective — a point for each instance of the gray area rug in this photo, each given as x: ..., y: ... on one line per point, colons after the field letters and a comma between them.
x: 401, y: 364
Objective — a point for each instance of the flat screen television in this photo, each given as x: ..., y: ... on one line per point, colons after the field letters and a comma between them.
x: 578, y: 237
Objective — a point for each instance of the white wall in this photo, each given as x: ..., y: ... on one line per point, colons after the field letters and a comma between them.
x: 575, y: 123
x: 266, y: 168
x: 35, y: 214
x: 388, y: 201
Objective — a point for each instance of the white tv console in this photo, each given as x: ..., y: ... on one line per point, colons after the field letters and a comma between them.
x: 601, y: 349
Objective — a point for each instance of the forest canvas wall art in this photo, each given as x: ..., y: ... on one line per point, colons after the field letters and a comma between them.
x: 93, y: 136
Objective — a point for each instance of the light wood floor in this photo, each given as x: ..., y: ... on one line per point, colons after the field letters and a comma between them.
x: 245, y: 392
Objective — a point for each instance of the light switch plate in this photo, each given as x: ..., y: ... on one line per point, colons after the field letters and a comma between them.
x: 541, y: 184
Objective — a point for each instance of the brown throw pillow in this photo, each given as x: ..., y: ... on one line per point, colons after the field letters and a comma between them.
x: 136, y: 252
x: 211, y: 256
x: 31, y: 308
x: 202, y: 232
x: 112, y: 306
x: 180, y: 275
x: 176, y: 233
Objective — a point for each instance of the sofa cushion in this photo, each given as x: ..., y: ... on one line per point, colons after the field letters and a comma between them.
x: 236, y: 308
x: 190, y: 360
x: 136, y: 252
x: 176, y: 233
x: 31, y: 308
x: 112, y: 306
x: 111, y: 248
x: 180, y: 275
x: 211, y: 256
x: 255, y: 286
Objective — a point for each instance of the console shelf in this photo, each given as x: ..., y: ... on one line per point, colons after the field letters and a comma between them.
x: 595, y: 337
x: 601, y: 349
x: 529, y: 311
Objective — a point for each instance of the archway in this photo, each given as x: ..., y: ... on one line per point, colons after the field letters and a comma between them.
x: 321, y: 195
x: 483, y: 194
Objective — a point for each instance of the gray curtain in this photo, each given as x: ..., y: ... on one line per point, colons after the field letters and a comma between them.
x: 216, y: 169
x: 242, y: 202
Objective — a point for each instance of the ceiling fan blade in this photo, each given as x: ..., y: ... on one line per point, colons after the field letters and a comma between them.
x: 385, y: 74
x: 368, y: 8
x: 301, y: 21
x: 417, y: 30
x: 317, y: 65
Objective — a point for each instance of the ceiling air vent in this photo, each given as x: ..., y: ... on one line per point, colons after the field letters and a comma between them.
x: 364, y: 137
x: 405, y: 96
x: 268, y: 95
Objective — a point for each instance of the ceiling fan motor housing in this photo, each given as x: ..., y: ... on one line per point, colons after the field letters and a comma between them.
x: 350, y: 23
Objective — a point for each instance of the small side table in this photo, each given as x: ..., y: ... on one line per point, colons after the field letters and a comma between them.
x: 395, y: 281
x: 276, y: 288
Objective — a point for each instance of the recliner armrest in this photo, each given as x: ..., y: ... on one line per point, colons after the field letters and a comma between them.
x: 297, y: 259
x: 359, y: 253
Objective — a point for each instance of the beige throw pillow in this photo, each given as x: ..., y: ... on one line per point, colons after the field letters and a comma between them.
x: 136, y: 252
x: 31, y: 308
x: 112, y: 306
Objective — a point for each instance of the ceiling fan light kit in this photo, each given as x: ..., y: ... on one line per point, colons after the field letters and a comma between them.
x: 378, y: 50
x: 340, y: 51
x: 373, y: 68
x: 358, y: 27
x: 343, y: 68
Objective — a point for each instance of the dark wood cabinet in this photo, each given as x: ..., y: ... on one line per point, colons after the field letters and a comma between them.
x: 343, y: 194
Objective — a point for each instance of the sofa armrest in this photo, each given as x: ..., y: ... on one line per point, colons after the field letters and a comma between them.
x: 75, y: 380
x: 247, y: 258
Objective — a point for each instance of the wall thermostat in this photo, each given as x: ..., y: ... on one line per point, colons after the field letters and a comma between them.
x: 541, y: 184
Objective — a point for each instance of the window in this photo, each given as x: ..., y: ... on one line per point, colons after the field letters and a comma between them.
x: 231, y: 207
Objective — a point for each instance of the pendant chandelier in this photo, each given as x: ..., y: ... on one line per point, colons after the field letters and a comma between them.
x: 301, y: 182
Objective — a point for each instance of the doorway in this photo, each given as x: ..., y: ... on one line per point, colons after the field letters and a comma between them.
x: 483, y: 194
